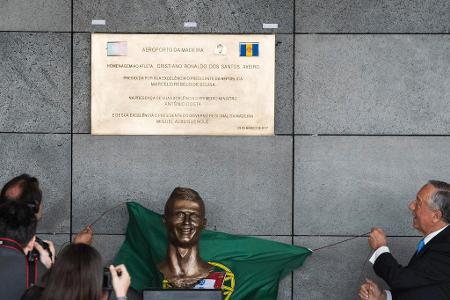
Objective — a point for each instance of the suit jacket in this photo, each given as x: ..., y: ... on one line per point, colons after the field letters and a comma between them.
x: 427, y: 275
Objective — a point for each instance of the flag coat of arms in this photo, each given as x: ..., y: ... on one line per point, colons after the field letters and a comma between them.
x: 249, y: 49
x: 253, y: 266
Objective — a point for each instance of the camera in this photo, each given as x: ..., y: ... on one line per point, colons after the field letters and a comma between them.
x: 45, y: 246
x: 107, y: 281
x: 34, y: 254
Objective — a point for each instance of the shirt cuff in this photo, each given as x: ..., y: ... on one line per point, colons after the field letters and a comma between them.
x: 378, y: 252
x: 388, y: 295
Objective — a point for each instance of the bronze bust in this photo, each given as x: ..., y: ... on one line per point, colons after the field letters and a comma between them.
x: 184, y: 217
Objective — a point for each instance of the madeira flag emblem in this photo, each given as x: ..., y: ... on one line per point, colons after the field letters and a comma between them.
x: 117, y: 49
x: 249, y: 49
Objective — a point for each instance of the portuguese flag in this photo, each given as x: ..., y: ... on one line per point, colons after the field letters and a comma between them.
x: 253, y: 266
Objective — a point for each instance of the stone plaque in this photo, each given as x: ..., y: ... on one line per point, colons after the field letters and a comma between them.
x: 182, y: 84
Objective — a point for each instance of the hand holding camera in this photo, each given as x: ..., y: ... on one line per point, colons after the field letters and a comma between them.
x: 120, y: 280
x: 46, y: 251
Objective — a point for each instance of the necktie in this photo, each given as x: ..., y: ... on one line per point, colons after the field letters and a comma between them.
x: 420, y: 246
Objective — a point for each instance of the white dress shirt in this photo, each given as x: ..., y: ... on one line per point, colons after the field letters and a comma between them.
x: 385, y: 249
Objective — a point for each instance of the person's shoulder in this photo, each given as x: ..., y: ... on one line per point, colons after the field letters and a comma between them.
x: 6, y: 250
x: 441, y: 242
x: 443, y: 237
x: 11, y: 260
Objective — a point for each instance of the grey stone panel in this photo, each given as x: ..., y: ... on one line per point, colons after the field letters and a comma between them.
x: 36, y: 15
x: 386, y: 16
x: 211, y: 16
x: 245, y: 182
x: 109, y: 245
x: 347, y: 185
x: 47, y: 157
x: 82, y: 83
x: 284, y: 83
x: 285, y: 288
x: 338, y: 272
x: 35, y: 82
x: 372, y: 84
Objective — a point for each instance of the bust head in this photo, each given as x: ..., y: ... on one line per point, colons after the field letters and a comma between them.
x: 184, y: 216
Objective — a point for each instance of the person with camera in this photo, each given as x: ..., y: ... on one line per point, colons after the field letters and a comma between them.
x: 78, y: 275
x: 17, y: 240
x: 25, y: 189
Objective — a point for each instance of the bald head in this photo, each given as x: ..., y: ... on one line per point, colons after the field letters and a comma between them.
x: 24, y: 189
x: 15, y: 191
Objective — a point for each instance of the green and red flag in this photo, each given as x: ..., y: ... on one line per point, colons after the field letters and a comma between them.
x: 253, y: 266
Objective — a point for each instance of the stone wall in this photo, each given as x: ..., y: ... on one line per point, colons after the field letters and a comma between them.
x: 362, y: 121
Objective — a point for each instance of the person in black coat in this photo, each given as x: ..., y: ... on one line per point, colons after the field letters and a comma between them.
x: 17, y: 239
x: 427, y: 275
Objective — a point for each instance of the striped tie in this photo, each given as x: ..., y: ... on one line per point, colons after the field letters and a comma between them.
x: 420, y: 246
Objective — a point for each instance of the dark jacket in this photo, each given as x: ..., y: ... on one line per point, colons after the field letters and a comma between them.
x: 15, y: 272
x: 427, y: 275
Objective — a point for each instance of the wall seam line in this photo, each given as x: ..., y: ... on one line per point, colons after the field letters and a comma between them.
x: 293, y: 142
x: 71, y: 120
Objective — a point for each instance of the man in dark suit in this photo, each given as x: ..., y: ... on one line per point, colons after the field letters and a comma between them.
x: 427, y: 275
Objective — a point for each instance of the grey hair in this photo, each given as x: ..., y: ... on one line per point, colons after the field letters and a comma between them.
x: 441, y: 198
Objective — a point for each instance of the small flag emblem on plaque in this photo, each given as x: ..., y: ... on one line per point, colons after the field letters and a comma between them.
x: 249, y: 49
x: 117, y: 48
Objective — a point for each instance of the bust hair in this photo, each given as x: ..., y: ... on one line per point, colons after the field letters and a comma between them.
x: 182, y: 193
x: 441, y: 198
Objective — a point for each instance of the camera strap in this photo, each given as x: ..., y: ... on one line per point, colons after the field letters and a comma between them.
x: 31, y: 261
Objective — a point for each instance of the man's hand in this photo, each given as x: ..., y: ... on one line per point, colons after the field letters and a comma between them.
x: 44, y: 256
x: 121, y: 280
x: 84, y: 236
x: 377, y: 238
x: 371, y: 291
x: 364, y: 291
